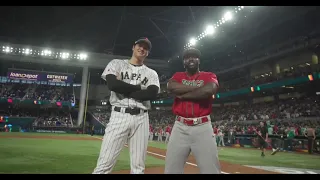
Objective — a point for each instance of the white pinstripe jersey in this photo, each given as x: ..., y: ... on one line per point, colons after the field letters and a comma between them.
x: 135, y: 75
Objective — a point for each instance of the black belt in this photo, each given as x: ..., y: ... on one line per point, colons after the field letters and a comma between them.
x: 134, y: 111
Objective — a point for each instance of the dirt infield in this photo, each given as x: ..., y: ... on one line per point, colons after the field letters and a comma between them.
x: 190, y: 168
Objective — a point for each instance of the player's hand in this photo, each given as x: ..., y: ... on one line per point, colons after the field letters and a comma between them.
x: 143, y: 87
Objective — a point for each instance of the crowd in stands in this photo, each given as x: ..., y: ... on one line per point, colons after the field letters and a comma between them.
x: 293, y: 72
x: 36, y: 92
x: 102, y: 115
x: 278, y: 127
x: 301, y: 110
x: 54, y: 119
x: 43, y: 117
x: 290, y: 108
x: 13, y: 90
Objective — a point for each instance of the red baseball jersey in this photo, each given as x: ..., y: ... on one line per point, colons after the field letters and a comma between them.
x: 215, y: 130
x: 150, y: 129
x: 168, y: 129
x: 193, y: 108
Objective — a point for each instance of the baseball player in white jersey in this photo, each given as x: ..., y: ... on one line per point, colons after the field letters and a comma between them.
x: 132, y: 86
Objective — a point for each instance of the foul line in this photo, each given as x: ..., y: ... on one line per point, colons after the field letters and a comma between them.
x: 156, y: 154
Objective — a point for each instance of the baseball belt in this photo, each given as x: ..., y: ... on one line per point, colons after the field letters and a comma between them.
x: 193, y: 121
x: 133, y: 111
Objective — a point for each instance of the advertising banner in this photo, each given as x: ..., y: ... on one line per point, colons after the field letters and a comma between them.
x: 39, y: 76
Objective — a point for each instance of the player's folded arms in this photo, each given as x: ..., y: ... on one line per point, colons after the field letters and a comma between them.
x: 177, y: 88
x: 120, y: 87
x: 147, y: 94
x: 131, y: 91
x: 191, y: 92
x: 200, y: 93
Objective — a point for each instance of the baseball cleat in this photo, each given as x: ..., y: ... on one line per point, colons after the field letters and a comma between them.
x: 275, y: 151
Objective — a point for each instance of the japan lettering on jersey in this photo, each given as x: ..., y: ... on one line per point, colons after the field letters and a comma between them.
x: 135, y: 75
x: 193, y: 108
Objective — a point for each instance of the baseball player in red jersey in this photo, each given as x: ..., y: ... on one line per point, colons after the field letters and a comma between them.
x: 215, y: 133
x: 150, y: 133
x: 160, y: 132
x: 168, y: 132
x: 192, y: 131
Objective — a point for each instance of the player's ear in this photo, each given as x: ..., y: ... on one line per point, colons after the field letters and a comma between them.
x: 133, y: 47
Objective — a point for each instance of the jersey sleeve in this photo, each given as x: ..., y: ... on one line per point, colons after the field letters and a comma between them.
x: 213, y: 78
x: 112, y: 68
x: 154, y: 80
x: 176, y: 77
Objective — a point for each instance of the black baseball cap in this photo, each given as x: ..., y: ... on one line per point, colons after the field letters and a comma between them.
x: 191, y: 52
x: 144, y: 40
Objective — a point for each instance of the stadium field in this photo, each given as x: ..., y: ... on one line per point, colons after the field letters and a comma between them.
x: 43, y: 153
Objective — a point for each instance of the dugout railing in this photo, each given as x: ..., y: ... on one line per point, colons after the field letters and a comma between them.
x: 55, y: 129
x: 298, y: 143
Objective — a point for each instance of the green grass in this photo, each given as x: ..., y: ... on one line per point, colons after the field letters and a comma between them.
x: 75, y: 156
x: 157, y: 145
x: 252, y: 157
x: 281, y: 159
x: 42, y: 134
x: 42, y: 156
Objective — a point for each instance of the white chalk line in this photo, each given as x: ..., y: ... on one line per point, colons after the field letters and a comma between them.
x: 156, y: 154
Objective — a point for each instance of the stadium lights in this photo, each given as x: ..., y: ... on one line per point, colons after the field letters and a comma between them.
x: 64, y: 55
x: 27, y: 51
x: 82, y: 56
x: 192, y: 42
x: 7, y: 49
x: 227, y: 16
x: 44, y: 52
x: 212, y: 28
x: 209, y: 30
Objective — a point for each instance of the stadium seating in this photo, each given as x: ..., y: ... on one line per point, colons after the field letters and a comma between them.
x: 36, y: 92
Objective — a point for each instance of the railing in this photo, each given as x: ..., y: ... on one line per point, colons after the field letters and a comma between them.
x: 271, y: 120
x: 54, y: 129
x: 31, y: 101
x: 298, y: 143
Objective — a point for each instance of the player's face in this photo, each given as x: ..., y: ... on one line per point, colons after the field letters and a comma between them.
x: 191, y: 62
x: 140, y: 51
